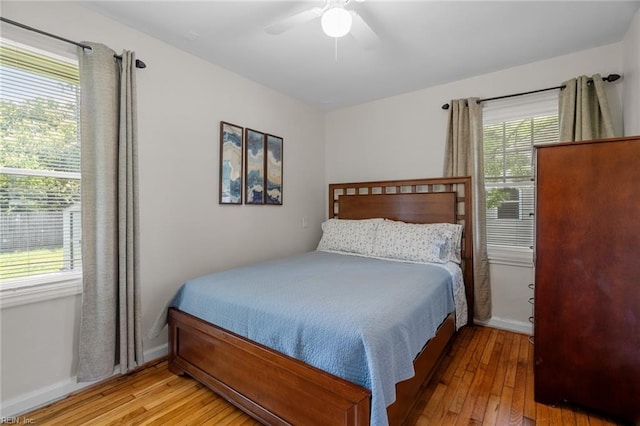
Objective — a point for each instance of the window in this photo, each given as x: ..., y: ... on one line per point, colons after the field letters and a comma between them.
x: 511, y: 128
x: 39, y: 166
x: 509, y: 207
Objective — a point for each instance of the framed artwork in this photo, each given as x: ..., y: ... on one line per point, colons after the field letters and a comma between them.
x: 273, y: 170
x: 254, y: 161
x: 231, y: 176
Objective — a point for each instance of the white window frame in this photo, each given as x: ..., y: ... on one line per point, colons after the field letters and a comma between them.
x: 497, y: 111
x: 44, y: 287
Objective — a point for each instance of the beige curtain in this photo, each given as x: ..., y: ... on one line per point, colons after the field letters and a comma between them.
x: 584, y: 110
x: 464, y: 157
x: 110, y: 315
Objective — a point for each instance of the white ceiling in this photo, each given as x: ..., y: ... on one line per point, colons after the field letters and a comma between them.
x: 421, y: 43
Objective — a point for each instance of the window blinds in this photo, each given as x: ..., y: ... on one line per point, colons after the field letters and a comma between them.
x: 511, y: 128
x: 39, y: 163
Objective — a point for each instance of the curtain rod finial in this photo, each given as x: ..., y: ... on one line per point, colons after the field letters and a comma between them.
x: 445, y: 106
x: 612, y: 77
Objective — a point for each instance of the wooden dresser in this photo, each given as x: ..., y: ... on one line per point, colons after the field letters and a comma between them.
x: 587, y: 276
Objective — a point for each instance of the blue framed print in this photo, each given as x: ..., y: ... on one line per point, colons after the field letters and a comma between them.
x: 254, y: 161
x: 231, y: 175
x: 274, y: 169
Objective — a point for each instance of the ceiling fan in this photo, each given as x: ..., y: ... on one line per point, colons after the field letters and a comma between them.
x: 336, y: 20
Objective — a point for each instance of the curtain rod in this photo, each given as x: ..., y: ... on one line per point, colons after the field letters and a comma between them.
x: 610, y: 78
x: 139, y: 63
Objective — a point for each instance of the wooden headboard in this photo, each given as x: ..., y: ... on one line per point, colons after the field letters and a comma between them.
x: 416, y: 201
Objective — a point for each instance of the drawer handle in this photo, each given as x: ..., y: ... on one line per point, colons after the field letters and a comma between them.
x: 531, y: 285
x: 531, y: 300
x: 531, y: 319
x: 530, y: 338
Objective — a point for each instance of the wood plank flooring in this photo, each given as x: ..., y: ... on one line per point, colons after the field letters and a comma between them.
x: 486, y: 379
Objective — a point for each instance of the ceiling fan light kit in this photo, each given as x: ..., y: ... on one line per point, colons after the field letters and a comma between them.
x: 336, y: 22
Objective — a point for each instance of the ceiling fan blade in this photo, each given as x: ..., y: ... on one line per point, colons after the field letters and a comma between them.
x: 286, y: 24
x: 363, y: 33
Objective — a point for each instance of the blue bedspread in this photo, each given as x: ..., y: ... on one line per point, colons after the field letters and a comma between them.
x: 359, y: 318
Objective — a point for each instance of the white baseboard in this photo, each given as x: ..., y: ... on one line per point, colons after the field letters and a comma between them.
x: 57, y: 391
x: 155, y: 353
x: 43, y: 396
x: 507, y: 324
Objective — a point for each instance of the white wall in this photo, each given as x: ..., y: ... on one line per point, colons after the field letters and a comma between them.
x: 184, y: 231
x: 631, y: 96
x: 404, y: 137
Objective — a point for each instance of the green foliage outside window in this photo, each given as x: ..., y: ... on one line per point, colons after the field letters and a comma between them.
x: 38, y: 134
x: 508, y: 153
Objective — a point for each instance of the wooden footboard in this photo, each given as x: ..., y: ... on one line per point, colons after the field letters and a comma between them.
x: 269, y: 386
x: 279, y: 390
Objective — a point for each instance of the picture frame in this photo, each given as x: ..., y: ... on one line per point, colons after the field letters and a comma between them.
x: 231, y: 164
x: 273, y: 169
x: 255, y: 163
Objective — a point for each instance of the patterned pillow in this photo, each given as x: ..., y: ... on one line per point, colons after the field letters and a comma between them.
x: 435, y: 243
x: 452, y: 233
x: 350, y: 236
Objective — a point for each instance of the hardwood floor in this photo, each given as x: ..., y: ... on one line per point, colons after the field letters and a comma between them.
x: 486, y: 379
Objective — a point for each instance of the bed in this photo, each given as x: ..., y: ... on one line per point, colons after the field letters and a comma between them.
x: 276, y: 388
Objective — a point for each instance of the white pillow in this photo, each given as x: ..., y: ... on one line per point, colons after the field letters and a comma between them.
x: 434, y: 242
x: 350, y: 236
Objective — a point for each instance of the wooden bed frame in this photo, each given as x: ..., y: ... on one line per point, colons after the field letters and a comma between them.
x: 276, y: 389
